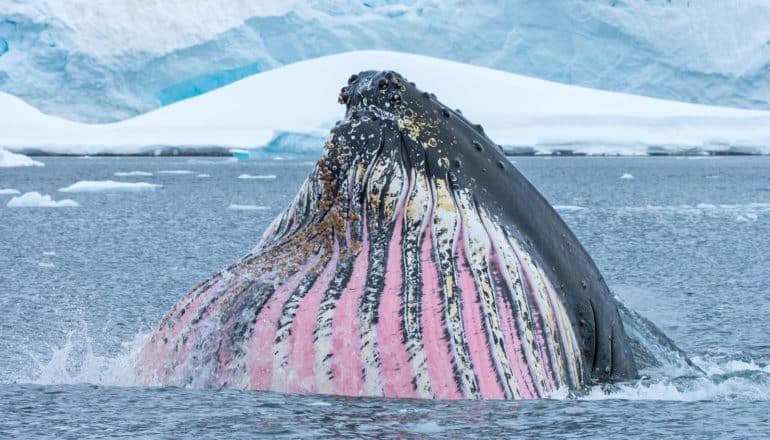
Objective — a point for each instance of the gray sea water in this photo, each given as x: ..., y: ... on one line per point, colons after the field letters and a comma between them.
x: 685, y: 243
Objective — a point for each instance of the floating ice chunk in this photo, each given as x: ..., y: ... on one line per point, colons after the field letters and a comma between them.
x: 203, y: 175
x: 237, y: 207
x: 569, y: 208
x: 133, y: 173
x: 37, y: 200
x: 257, y: 176
x: 47, y: 264
x: 705, y: 206
x: 627, y: 176
x: 9, y: 159
x: 8, y: 192
x: 175, y: 172
x: 109, y: 186
x: 747, y: 217
x: 49, y: 253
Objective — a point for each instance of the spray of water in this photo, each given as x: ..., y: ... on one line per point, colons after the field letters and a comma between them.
x: 667, y: 372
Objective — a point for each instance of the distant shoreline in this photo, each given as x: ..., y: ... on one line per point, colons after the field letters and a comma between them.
x: 507, y: 154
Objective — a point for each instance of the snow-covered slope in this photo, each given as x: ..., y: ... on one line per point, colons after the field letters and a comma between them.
x: 301, y: 97
x: 103, y: 60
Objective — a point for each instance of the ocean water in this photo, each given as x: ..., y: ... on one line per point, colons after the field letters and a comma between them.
x: 684, y: 242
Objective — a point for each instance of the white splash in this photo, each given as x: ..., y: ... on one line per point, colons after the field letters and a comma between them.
x: 75, y: 362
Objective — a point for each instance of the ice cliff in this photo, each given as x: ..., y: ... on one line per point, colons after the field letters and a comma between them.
x: 100, y: 60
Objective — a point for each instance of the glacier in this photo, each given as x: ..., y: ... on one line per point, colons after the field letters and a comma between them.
x: 102, y: 61
x: 265, y: 114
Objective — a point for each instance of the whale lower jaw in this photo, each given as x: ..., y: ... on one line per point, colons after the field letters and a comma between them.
x: 413, y: 291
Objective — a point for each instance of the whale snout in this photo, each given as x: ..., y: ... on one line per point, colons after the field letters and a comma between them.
x: 387, y: 91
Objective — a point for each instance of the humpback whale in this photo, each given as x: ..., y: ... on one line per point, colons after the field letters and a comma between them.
x: 414, y: 262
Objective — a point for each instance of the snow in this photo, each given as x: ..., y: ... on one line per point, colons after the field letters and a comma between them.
x: 37, y: 200
x: 8, y: 192
x: 104, y: 60
x: 515, y: 110
x: 9, y: 159
x: 257, y: 176
x: 91, y: 186
x: 133, y: 173
x: 237, y: 207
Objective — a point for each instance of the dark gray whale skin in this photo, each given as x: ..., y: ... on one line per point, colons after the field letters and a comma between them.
x: 414, y: 262
x: 478, y: 163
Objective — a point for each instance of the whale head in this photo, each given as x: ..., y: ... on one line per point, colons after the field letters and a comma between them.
x: 415, y: 261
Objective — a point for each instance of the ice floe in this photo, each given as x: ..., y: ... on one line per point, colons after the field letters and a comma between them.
x: 257, y: 176
x: 9, y: 159
x: 176, y: 172
x: 9, y: 192
x: 133, y: 173
x: 237, y: 207
x: 36, y: 200
x: 109, y: 186
x: 627, y: 176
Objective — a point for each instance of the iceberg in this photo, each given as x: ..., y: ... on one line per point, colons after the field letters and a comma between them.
x: 91, y: 186
x: 109, y: 60
x: 545, y: 116
x: 9, y: 159
x: 286, y: 145
x: 36, y: 200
